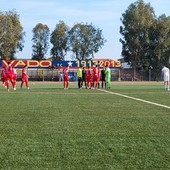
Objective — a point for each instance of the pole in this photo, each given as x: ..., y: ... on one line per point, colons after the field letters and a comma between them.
x: 149, y: 74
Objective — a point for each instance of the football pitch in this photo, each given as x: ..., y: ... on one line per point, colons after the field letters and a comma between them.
x: 47, y: 127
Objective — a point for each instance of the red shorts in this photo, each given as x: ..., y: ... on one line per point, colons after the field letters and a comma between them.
x: 24, y: 78
x: 88, y: 79
x: 14, y: 77
x: 3, y: 79
x: 92, y: 79
x: 8, y: 77
x: 96, y: 78
x: 65, y: 78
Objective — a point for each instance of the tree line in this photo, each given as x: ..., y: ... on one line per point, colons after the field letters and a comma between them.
x: 83, y: 39
x: 145, y: 38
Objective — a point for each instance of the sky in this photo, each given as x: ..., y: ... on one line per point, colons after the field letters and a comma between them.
x: 103, y: 14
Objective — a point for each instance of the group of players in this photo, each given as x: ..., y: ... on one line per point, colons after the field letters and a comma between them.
x: 90, y: 77
x: 9, y: 75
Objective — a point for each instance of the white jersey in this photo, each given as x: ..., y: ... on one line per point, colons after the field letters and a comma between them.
x: 165, y: 73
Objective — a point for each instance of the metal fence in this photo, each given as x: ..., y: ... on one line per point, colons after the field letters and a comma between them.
x: 56, y: 75
x: 117, y: 74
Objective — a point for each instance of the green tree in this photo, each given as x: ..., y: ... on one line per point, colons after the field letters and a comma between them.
x: 85, y: 40
x: 59, y: 40
x: 136, y: 21
x: 11, y: 34
x: 159, y: 44
x: 41, y: 34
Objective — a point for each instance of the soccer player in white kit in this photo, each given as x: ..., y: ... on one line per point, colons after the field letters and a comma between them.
x: 165, y: 74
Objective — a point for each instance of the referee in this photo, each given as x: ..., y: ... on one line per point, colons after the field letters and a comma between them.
x: 79, y: 74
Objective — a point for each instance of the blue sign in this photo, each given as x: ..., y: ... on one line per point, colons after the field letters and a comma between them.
x: 76, y: 64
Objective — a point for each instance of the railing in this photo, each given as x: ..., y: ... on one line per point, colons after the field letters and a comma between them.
x: 56, y: 75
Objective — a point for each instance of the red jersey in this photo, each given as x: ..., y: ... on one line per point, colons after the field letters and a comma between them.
x: 96, y: 71
x: 88, y: 72
x: 14, y: 74
x: 65, y: 71
x: 88, y: 75
x: 3, y: 75
x: 8, y: 72
x: 24, y: 71
x: 8, y: 69
x: 96, y: 74
x: 14, y: 71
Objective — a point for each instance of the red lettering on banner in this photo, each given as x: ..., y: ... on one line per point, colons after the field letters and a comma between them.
x: 117, y: 63
x: 110, y: 63
x: 101, y: 63
x: 107, y: 63
x: 4, y: 63
x: 29, y: 63
x: 45, y: 63
x: 33, y: 63
x: 14, y: 63
x: 19, y: 63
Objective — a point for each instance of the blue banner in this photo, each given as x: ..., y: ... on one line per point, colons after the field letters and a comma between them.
x: 57, y: 64
x: 86, y: 63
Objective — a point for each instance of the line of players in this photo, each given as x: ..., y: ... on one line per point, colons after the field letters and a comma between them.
x: 90, y: 77
x: 9, y: 74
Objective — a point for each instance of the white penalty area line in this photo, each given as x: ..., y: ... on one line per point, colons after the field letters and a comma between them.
x: 133, y: 98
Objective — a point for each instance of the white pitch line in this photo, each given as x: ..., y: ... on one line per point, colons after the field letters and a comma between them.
x: 145, y: 101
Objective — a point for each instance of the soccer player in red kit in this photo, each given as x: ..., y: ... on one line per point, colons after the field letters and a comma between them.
x: 24, y: 77
x: 92, y: 79
x: 8, y: 75
x: 96, y: 76
x: 14, y: 78
x: 65, y: 76
x: 3, y: 77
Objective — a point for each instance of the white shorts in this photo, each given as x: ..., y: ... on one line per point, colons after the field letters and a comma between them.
x: 166, y: 77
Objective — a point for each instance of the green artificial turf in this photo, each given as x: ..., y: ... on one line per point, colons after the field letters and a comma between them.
x: 48, y: 127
